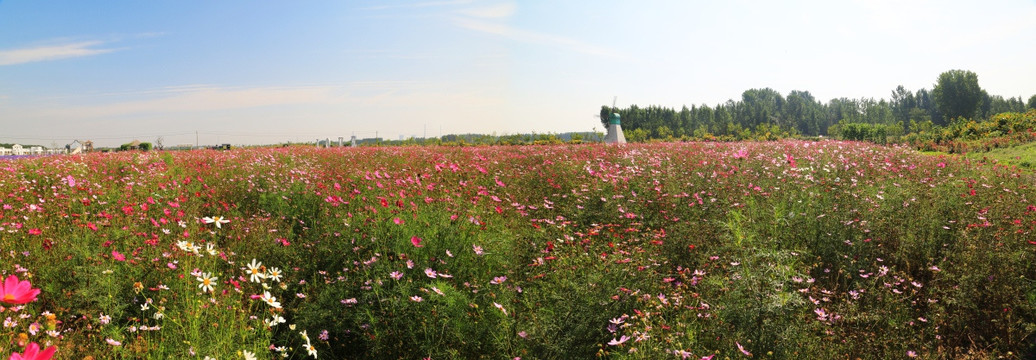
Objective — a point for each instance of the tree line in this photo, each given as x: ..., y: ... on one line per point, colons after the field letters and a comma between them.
x: 765, y: 113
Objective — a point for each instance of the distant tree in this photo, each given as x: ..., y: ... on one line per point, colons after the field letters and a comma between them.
x: 158, y: 143
x: 606, y: 113
x: 761, y: 106
x: 145, y: 146
x: 927, y: 103
x: 902, y: 102
x: 1032, y: 102
x: 957, y: 94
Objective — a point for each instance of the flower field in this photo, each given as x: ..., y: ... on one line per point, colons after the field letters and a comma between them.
x: 781, y: 250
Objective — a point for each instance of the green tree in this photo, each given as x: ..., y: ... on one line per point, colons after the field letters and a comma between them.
x: 1032, y: 102
x: 957, y: 94
x: 902, y: 102
x: 606, y: 113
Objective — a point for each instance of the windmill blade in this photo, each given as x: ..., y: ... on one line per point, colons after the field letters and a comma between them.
x: 615, y: 99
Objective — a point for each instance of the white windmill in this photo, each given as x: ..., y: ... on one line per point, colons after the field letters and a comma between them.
x: 615, y: 135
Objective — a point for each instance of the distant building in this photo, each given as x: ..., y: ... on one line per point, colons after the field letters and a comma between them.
x: 5, y: 151
x: 73, y: 148
x: 17, y: 150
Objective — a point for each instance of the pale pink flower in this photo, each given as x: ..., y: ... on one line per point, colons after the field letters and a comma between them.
x: 742, y: 348
x: 621, y: 340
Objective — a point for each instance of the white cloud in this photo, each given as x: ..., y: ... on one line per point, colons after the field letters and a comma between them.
x: 51, y: 52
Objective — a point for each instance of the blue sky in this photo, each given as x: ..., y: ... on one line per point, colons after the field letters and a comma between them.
x: 266, y: 72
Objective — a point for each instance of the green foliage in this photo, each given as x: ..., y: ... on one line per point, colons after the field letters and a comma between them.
x: 1000, y: 131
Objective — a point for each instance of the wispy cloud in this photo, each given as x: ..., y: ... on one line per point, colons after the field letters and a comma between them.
x: 51, y: 52
x: 198, y: 98
x: 533, y: 37
x: 419, y: 5
x: 502, y: 10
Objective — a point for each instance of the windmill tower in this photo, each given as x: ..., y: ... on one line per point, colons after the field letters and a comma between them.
x: 615, y: 135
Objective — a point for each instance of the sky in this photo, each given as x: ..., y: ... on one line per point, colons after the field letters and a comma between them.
x: 267, y: 72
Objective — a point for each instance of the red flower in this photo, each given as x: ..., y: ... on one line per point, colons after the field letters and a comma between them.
x: 17, y: 292
x: 416, y: 241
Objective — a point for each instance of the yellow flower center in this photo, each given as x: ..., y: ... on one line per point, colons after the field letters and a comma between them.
x: 8, y: 298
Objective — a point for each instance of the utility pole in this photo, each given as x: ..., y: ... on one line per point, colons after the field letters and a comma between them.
x: 196, y: 139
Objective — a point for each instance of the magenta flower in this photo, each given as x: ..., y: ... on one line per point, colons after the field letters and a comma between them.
x: 118, y: 256
x: 32, y: 352
x: 17, y: 292
x: 416, y: 241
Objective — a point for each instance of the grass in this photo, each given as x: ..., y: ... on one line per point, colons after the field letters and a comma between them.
x: 1023, y: 156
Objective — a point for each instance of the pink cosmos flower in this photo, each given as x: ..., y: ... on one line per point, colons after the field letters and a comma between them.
x: 416, y: 241
x: 621, y: 340
x: 742, y: 348
x: 741, y: 154
x: 32, y: 352
x: 17, y: 292
x: 398, y: 221
x: 118, y: 256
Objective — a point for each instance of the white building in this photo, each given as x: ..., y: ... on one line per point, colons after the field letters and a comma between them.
x: 4, y: 151
x: 17, y: 150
